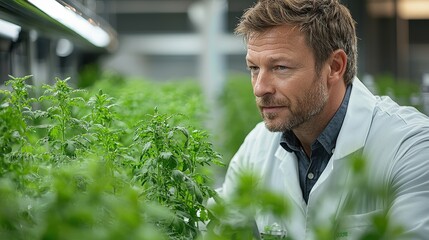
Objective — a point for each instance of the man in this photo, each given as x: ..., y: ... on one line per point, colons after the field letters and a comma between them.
x: 318, y: 117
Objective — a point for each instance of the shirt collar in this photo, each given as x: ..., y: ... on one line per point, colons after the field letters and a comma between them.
x: 328, y: 138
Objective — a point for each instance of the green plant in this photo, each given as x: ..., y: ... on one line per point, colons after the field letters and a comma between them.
x: 73, y: 164
x: 105, y: 137
x: 168, y: 170
x: 15, y: 113
x: 63, y: 131
x: 14, y: 109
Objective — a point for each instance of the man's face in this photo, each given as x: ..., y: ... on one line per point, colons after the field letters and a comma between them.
x: 289, y: 92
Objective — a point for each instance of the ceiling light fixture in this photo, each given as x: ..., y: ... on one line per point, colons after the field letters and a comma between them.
x: 71, y: 19
x: 9, y: 30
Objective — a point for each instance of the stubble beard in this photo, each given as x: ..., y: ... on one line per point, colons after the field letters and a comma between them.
x: 310, y: 105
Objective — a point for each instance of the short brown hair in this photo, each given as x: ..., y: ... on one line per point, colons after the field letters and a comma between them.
x: 327, y: 24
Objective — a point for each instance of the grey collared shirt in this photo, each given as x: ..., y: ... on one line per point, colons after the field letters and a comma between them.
x: 322, y: 148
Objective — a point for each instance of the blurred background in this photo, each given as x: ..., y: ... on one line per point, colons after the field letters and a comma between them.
x: 176, y: 40
x: 164, y: 39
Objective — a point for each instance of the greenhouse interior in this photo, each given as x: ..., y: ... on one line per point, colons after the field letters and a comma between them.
x: 120, y: 117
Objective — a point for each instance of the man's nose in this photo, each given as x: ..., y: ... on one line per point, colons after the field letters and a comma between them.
x: 263, y: 84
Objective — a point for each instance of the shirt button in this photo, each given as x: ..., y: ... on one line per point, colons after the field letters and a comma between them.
x: 310, y: 176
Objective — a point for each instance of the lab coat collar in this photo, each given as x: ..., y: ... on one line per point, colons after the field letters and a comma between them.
x: 354, y: 131
x: 357, y: 122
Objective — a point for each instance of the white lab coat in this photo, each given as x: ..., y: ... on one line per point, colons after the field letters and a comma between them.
x: 394, y: 141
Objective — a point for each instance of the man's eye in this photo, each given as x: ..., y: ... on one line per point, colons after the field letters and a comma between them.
x: 280, y: 68
x: 253, y: 69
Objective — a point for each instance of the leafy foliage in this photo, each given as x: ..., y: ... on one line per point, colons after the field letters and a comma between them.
x: 167, y: 169
x: 74, y: 166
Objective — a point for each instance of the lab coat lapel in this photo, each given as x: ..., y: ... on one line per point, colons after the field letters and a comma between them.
x: 357, y: 121
x: 332, y: 184
x: 289, y: 170
x: 356, y: 125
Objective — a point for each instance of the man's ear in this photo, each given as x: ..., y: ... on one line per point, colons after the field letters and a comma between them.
x: 337, y: 64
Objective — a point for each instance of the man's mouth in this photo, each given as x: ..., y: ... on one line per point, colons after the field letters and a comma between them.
x: 269, y: 109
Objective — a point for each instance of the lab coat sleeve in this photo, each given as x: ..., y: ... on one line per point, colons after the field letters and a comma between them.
x: 410, y: 208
